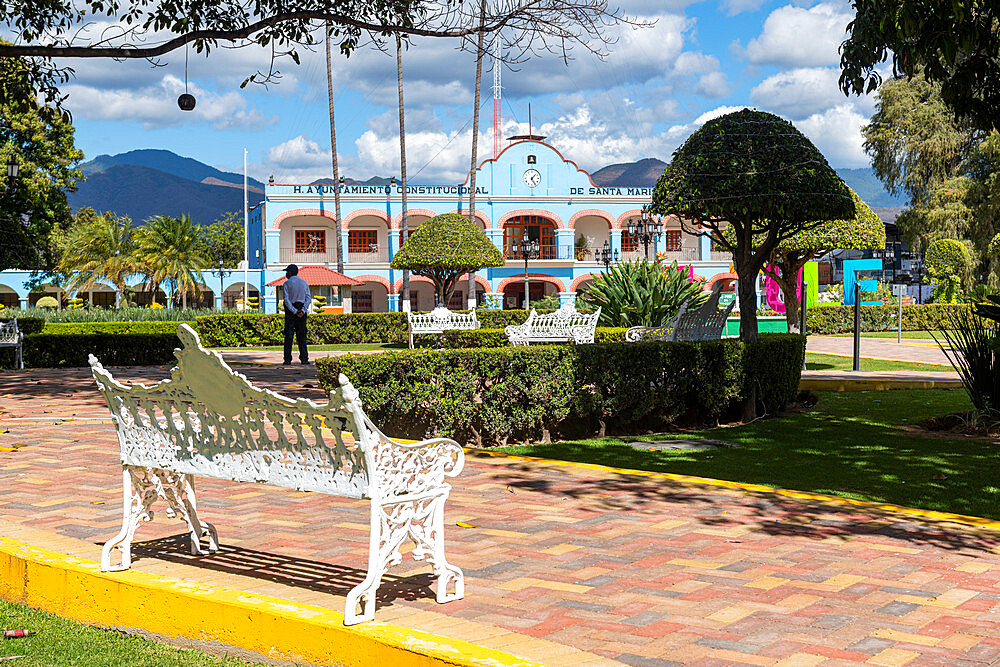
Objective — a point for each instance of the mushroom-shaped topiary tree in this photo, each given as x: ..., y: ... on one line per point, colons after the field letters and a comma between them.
x: 443, y: 249
x: 864, y: 231
x: 948, y: 263
x: 756, y: 173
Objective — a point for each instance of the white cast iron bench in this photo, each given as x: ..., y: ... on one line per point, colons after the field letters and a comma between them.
x: 440, y: 320
x: 664, y: 332
x: 208, y: 420
x: 707, y: 322
x: 11, y: 336
x: 566, y: 325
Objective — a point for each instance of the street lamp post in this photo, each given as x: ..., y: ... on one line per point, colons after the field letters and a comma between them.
x: 647, y: 229
x: 222, y: 284
x: 526, y: 250
x: 12, y: 169
x: 606, y: 257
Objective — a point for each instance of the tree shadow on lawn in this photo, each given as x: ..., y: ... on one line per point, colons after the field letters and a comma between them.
x: 278, y: 568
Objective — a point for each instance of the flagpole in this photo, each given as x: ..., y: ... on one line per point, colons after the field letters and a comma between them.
x: 246, y: 236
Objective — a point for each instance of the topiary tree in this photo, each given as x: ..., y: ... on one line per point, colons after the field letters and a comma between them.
x: 754, y: 172
x: 948, y: 263
x: 444, y: 248
x: 47, y: 302
x: 863, y: 231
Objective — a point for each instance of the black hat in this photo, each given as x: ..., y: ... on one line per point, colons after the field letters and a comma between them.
x: 291, y: 270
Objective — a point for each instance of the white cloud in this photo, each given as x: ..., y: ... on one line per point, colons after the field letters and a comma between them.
x: 734, y: 7
x: 800, y: 92
x: 837, y: 134
x: 156, y: 106
x: 799, y: 37
x: 713, y: 84
x: 300, y: 152
x: 715, y: 113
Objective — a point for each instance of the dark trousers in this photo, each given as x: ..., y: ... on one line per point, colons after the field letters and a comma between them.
x: 295, y: 326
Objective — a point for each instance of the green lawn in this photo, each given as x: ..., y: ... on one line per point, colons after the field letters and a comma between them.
x: 921, y: 335
x: 850, y: 444
x: 60, y: 643
x: 832, y: 362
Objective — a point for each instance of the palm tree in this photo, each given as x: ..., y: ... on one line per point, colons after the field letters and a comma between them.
x: 475, y: 141
x: 333, y: 150
x: 404, y: 228
x: 101, y: 250
x: 168, y: 249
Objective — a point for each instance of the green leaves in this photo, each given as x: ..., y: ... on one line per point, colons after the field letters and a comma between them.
x: 642, y: 293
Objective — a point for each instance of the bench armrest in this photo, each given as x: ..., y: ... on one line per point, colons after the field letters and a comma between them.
x: 408, y: 469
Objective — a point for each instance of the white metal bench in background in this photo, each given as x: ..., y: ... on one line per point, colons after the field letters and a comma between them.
x: 440, y: 320
x: 566, y: 325
x: 11, y: 336
x: 664, y: 332
x: 208, y: 420
x: 706, y: 322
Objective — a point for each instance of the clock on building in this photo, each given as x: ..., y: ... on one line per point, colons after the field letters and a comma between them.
x: 532, y: 178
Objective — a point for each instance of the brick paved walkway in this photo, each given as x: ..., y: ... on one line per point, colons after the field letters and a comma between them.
x: 564, y: 565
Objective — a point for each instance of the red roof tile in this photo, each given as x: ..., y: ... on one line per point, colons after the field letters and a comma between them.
x: 319, y: 275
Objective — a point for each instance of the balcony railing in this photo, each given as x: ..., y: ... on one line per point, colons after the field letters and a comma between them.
x: 374, y: 256
x: 325, y: 257
x: 545, y: 251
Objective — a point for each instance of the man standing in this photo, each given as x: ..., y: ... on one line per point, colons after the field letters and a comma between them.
x: 297, y: 301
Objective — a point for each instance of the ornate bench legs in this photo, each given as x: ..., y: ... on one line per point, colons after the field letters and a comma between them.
x: 422, y: 520
x: 142, y: 487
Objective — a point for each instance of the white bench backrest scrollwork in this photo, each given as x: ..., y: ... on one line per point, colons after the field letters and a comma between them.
x: 440, y: 320
x: 663, y: 332
x: 11, y: 336
x: 706, y: 322
x: 567, y: 323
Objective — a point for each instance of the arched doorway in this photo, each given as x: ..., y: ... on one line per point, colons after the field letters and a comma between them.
x: 535, y: 228
x: 233, y: 296
x: 9, y: 298
x: 513, y: 292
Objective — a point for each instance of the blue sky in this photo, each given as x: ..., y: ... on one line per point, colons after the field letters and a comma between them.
x: 657, y: 86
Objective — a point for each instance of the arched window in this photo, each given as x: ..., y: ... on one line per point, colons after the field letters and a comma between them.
x: 537, y: 228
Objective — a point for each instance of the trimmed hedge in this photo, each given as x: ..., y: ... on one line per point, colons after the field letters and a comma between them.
x: 141, y: 327
x: 254, y: 330
x: 838, y: 318
x: 25, y: 325
x: 490, y: 395
x: 48, y: 350
x: 497, y: 338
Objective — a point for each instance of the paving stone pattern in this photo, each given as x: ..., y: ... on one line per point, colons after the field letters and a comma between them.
x: 629, y: 569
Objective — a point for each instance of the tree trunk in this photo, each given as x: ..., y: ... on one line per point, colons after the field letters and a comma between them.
x: 333, y: 153
x: 475, y: 145
x: 748, y: 298
x: 404, y: 227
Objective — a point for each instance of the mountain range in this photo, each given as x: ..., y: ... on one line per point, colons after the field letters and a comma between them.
x: 147, y: 182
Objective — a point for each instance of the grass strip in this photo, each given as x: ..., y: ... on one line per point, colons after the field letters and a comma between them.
x: 832, y: 362
x: 60, y: 642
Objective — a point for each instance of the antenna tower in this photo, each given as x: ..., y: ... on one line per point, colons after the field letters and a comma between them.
x: 496, y: 97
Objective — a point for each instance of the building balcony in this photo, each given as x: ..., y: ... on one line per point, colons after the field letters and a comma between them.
x: 288, y: 255
x: 375, y: 255
x: 545, y: 251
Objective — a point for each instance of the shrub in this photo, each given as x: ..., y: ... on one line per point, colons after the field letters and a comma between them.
x: 972, y: 346
x: 836, y: 318
x: 47, y: 302
x: 47, y: 350
x: 948, y: 264
x: 120, y: 314
x: 498, y: 338
x: 490, y: 395
x: 25, y: 325
x: 642, y: 293
x: 149, y: 327
x: 254, y: 329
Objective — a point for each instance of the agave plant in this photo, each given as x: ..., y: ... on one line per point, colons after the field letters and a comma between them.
x: 642, y: 293
x: 972, y: 345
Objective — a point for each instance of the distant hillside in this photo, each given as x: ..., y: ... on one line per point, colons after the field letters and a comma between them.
x: 869, y: 188
x: 167, y: 162
x: 642, y: 173
x: 141, y: 192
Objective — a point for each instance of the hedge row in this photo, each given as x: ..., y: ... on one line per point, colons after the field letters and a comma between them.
x: 497, y: 338
x: 54, y: 350
x: 25, y: 325
x: 838, y: 318
x: 140, y: 327
x: 252, y: 330
x: 491, y: 395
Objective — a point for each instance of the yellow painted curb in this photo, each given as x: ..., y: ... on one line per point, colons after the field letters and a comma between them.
x: 979, y: 522
x: 873, y: 384
x: 76, y: 589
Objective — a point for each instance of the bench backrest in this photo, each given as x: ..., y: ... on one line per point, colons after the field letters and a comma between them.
x: 208, y: 420
x: 442, y: 318
x: 9, y: 333
x: 664, y: 332
x: 561, y: 320
x: 706, y: 322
